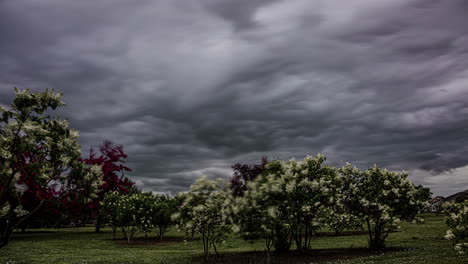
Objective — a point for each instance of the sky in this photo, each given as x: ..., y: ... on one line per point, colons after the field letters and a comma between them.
x: 191, y: 87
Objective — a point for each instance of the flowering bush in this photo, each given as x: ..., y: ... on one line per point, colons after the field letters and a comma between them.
x: 36, y: 152
x: 138, y: 212
x: 382, y: 199
x: 457, y: 221
x: 289, y: 201
x: 135, y: 213
x: 132, y: 213
x: 202, y: 213
x: 110, y: 209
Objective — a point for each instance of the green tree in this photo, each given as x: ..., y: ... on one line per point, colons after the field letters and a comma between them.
x: 164, y: 208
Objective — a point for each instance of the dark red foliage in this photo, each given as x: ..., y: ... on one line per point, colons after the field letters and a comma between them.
x: 34, y: 192
x: 70, y: 199
x: 42, y: 197
x: 111, y: 160
x: 244, y: 173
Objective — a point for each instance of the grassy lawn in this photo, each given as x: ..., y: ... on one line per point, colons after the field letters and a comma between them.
x: 412, y: 244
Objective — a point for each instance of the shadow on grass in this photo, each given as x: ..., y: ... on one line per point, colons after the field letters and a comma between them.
x: 150, y: 241
x: 33, y: 232
x: 295, y: 257
x: 54, y: 235
x: 343, y: 233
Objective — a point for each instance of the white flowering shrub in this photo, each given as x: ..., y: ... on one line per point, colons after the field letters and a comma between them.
x: 138, y: 212
x: 135, y: 213
x: 202, y: 212
x: 457, y: 221
x: 288, y: 203
x: 132, y: 213
x: 36, y: 149
x: 110, y: 211
x: 382, y: 199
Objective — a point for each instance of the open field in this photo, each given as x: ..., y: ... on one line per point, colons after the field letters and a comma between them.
x: 412, y: 244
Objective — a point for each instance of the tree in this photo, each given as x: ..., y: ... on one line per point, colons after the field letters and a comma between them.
x: 245, y: 173
x: 203, y: 213
x: 382, y: 199
x: 36, y: 152
x: 111, y: 159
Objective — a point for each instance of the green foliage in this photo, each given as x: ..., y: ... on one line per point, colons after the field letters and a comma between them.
x: 457, y: 221
x: 164, y: 208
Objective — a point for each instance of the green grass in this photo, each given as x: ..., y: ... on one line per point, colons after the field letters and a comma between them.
x: 412, y: 244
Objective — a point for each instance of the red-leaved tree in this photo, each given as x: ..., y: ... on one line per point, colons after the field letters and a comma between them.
x: 67, y: 198
x: 36, y: 197
x: 111, y: 158
x: 243, y: 173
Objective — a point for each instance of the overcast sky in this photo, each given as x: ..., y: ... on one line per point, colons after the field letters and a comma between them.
x: 191, y: 87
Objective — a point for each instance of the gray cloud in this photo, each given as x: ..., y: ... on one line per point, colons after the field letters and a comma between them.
x: 191, y: 88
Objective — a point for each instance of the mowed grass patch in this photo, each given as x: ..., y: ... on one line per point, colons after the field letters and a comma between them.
x: 411, y: 244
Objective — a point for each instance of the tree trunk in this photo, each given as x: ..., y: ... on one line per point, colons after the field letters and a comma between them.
x: 5, y: 233
x: 98, y: 223
x: 376, y: 238
x: 7, y: 225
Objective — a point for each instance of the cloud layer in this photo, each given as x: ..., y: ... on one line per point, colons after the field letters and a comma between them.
x: 191, y: 88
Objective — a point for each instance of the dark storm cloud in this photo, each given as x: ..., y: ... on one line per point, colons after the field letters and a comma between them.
x: 191, y: 88
x: 239, y: 13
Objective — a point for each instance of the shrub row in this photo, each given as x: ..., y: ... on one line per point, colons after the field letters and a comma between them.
x: 139, y: 212
x: 291, y: 200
